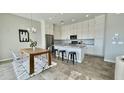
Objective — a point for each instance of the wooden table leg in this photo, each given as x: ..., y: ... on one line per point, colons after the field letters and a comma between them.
x: 49, y: 58
x: 31, y: 64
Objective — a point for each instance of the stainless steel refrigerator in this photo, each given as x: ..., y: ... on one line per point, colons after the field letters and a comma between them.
x: 49, y: 41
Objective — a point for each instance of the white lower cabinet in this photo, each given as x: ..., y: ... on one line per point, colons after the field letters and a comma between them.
x: 90, y: 50
x: 98, y: 51
x: 97, y: 48
x: 94, y: 50
x: 99, y: 43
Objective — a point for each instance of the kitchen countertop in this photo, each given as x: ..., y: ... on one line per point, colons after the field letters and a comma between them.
x: 71, y: 45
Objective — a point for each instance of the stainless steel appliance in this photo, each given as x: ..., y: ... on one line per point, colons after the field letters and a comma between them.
x: 49, y: 41
x: 74, y: 42
x: 72, y: 37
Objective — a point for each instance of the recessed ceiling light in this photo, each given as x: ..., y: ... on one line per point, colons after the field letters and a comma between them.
x: 50, y: 18
x: 73, y: 20
x: 117, y: 13
x: 87, y: 16
x: 61, y: 13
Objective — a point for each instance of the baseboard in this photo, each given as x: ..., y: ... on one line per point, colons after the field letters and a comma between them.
x: 109, y: 60
x: 94, y: 55
x: 7, y: 59
x: 106, y: 60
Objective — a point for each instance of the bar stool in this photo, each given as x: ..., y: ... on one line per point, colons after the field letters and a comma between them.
x: 62, y: 52
x: 73, y: 56
x: 55, y: 51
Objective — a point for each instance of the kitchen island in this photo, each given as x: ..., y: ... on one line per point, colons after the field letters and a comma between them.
x: 79, y: 49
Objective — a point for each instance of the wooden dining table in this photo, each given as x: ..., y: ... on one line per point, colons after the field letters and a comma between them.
x: 36, y: 52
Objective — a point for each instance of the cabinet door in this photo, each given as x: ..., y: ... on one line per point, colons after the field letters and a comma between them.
x: 90, y: 50
x: 91, y: 28
x: 99, y: 28
x: 71, y: 29
x: 49, y: 28
x: 63, y: 32
x: 100, y: 19
x: 79, y: 31
x: 99, y: 35
x: 57, y: 32
x: 67, y: 32
x: 75, y: 27
x: 85, y: 29
x: 99, y: 42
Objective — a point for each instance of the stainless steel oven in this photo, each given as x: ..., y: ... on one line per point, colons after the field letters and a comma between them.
x: 74, y: 42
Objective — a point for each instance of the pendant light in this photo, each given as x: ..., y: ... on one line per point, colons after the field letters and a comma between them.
x: 32, y: 29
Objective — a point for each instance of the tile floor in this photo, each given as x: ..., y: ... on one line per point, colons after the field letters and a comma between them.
x: 92, y: 68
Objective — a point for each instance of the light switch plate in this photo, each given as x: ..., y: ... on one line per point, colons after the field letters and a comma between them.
x: 120, y: 43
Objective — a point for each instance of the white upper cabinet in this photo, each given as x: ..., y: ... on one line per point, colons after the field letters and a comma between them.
x: 91, y: 31
x: 63, y: 32
x: 92, y: 28
x: 99, y: 26
x: 71, y: 29
x: 100, y: 19
x: 99, y: 35
x: 85, y: 30
x: 57, y: 32
x: 80, y: 30
x: 49, y: 28
x: 67, y: 36
x: 75, y: 28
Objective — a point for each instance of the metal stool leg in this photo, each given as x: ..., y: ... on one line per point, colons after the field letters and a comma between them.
x: 58, y: 54
x: 62, y: 56
x: 76, y: 58
x: 55, y: 54
x: 73, y: 58
x: 68, y: 58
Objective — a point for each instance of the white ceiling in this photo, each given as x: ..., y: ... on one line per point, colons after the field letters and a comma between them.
x: 56, y: 18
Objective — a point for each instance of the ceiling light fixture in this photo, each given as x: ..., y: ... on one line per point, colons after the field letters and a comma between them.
x: 73, y: 20
x: 61, y: 13
x: 50, y: 18
x: 31, y: 28
x: 87, y: 16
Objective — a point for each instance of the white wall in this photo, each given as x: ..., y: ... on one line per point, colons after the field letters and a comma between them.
x: 43, y: 39
x: 114, y: 24
x: 9, y: 34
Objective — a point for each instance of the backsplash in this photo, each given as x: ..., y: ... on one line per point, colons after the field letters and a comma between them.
x: 84, y: 41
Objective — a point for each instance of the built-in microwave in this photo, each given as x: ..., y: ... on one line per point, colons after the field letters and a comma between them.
x: 73, y: 37
x: 74, y: 42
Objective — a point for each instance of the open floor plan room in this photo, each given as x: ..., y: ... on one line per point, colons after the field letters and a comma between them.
x: 61, y: 46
